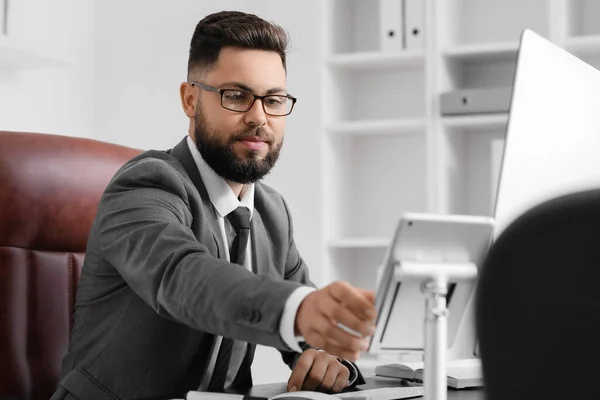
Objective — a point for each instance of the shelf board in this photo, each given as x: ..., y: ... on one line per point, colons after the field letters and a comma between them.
x: 378, y: 127
x: 483, y: 52
x: 359, y: 243
x: 476, y: 122
x: 584, y: 45
x: 365, y: 61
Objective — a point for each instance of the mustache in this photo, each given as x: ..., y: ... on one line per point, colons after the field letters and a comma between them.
x: 258, y: 132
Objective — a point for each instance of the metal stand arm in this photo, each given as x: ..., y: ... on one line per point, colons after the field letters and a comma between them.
x: 434, y: 278
x: 436, y: 328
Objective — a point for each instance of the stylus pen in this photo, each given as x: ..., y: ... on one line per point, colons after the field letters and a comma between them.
x: 349, y: 330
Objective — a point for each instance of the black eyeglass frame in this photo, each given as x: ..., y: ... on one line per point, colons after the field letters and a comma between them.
x: 220, y: 91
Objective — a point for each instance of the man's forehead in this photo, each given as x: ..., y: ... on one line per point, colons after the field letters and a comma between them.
x: 258, y: 69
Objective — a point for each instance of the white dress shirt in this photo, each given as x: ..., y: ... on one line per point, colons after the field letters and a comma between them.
x: 224, y: 201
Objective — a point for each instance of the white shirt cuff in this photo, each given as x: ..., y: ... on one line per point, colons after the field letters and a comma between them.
x: 288, y: 319
x: 352, y: 369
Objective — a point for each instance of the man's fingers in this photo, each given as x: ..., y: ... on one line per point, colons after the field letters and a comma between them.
x: 315, y: 339
x: 345, y: 339
x: 317, y: 371
x: 334, y: 368
x: 357, y: 304
x: 367, y: 294
x: 300, y: 371
x: 340, y: 314
x: 330, y: 331
x: 341, y: 381
x: 331, y: 319
x: 328, y: 380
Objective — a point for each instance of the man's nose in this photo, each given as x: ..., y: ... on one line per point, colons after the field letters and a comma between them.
x: 256, y: 115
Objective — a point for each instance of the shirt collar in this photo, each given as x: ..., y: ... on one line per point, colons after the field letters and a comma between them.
x: 219, y: 192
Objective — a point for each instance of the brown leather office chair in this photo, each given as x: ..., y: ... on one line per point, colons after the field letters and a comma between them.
x: 50, y: 187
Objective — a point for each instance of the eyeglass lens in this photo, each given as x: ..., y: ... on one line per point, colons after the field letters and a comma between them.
x: 237, y: 100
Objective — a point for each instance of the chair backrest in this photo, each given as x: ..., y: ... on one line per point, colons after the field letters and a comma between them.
x: 538, y: 303
x: 50, y: 187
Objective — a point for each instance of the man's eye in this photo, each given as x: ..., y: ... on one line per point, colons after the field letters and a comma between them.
x: 236, y: 96
x: 275, y: 101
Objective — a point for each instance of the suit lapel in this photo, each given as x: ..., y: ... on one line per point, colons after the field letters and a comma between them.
x: 182, y: 152
x: 260, y: 246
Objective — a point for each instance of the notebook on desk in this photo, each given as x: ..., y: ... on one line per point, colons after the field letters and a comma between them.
x: 460, y: 373
x: 390, y: 393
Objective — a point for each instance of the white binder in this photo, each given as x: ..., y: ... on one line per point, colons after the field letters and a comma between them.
x: 391, y: 30
x: 414, y: 24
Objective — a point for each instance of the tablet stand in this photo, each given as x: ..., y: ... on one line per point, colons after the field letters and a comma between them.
x: 434, y: 278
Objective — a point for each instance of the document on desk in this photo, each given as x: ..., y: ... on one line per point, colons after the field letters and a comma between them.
x: 388, y: 393
x: 195, y: 395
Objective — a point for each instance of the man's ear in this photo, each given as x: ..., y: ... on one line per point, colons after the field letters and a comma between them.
x: 189, y: 99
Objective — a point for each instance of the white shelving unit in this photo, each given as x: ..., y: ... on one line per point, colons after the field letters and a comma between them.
x: 376, y: 61
x: 482, y: 52
x: 583, y: 45
x: 386, y: 149
x: 476, y: 122
x: 378, y: 127
x: 359, y: 243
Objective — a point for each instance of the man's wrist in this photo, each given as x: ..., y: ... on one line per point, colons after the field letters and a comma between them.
x: 287, y: 325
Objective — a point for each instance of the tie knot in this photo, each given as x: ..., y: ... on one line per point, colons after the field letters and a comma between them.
x: 239, y: 218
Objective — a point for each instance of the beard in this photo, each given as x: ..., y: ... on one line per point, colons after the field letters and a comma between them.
x: 220, y: 156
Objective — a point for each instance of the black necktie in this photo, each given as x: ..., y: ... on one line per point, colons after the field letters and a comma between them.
x: 240, y: 222
x: 237, y: 241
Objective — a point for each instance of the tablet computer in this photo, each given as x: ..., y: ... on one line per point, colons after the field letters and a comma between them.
x: 428, y: 238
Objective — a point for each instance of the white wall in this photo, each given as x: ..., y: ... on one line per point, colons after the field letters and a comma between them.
x: 141, y: 49
x: 58, y: 100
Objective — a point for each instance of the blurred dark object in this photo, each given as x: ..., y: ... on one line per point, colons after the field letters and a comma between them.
x: 538, y: 303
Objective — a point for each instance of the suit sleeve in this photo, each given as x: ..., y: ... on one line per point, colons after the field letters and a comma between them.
x: 144, y: 221
x: 297, y: 271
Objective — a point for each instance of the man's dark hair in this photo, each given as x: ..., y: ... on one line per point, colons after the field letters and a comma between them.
x: 237, y: 29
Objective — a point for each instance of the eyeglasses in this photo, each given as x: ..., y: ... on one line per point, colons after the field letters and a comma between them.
x: 240, y: 100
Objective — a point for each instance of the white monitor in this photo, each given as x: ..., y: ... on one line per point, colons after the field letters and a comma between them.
x: 552, y: 143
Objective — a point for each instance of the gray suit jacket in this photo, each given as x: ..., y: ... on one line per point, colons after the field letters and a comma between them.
x: 155, y: 287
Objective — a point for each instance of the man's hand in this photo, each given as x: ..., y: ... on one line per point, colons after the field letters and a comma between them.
x: 317, y: 370
x: 321, y: 312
